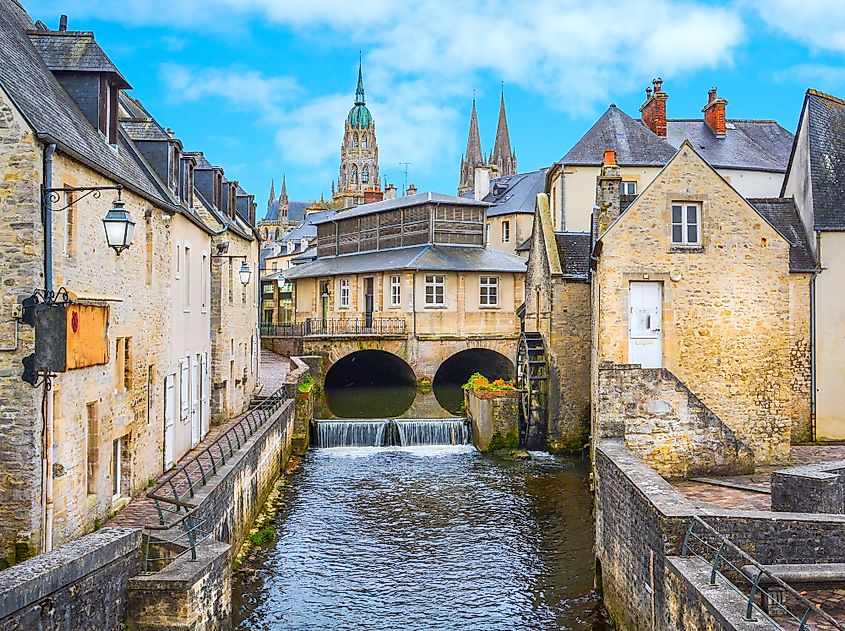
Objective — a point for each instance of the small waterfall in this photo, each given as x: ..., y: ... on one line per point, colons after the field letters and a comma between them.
x: 390, y: 433
x: 358, y: 433
x: 447, y: 431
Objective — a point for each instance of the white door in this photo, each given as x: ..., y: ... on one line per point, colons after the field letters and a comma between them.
x: 203, y: 395
x: 195, y: 415
x: 645, y: 335
x: 169, y: 418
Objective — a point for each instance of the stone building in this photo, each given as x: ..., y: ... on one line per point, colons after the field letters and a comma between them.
x: 417, y: 266
x: 358, y: 153
x: 511, y: 211
x: 694, y: 279
x: 500, y: 163
x: 750, y: 154
x: 75, y: 451
x: 814, y: 183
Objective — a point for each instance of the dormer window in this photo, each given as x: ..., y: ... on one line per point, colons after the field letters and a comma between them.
x: 303, y: 244
x: 291, y: 246
x: 175, y: 156
x: 108, y: 110
x: 218, y: 190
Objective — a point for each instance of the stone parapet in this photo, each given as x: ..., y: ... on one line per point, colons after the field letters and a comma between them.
x: 494, y: 417
x: 816, y: 488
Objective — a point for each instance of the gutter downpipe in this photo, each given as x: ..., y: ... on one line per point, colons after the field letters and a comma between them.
x: 47, y: 404
x: 813, y: 396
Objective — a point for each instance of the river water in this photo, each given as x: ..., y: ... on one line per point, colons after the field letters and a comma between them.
x: 426, y: 538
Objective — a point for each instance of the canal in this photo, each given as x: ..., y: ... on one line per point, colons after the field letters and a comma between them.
x: 429, y: 537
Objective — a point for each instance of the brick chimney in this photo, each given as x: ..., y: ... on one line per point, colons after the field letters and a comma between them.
x: 608, y: 192
x: 373, y: 195
x: 653, y: 111
x: 62, y: 23
x: 714, y: 114
x: 412, y: 190
x: 390, y: 192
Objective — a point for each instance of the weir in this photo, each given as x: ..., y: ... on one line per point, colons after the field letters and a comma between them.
x: 391, y: 432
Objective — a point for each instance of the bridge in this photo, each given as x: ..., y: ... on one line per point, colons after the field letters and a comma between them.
x: 391, y: 345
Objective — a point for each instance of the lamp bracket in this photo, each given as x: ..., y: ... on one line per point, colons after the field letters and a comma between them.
x: 53, y: 195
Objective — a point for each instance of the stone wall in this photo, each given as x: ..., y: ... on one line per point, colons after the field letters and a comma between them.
x: 21, y: 242
x: 732, y: 348
x: 494, y: 417
x: 641, y: 522
x: 818, y: 488
x: 665, y: 424
x: 80, y: 586
x: 800, y: 360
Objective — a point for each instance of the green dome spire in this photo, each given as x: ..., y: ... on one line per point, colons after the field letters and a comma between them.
x: 359, y: 115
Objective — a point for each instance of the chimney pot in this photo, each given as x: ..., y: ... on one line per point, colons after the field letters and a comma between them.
x: 648, y: 93
x: 653, y: 111
x: 711, y: 95
x: 658, y: 85
x: 63, y: 23
x: 609, y: 157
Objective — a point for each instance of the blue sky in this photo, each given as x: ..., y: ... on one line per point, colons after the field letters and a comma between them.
x: 263, y: 86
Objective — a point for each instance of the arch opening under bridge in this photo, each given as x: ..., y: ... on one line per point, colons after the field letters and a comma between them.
x: 457, y: 369
x: 355, y: 384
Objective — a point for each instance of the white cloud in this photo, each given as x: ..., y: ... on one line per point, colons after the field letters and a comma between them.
x: 819, y: 24
x: 423, y: 59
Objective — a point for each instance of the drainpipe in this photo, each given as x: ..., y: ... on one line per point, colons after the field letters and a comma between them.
x: 817, y: 271
x: 414, y: 301
x: 46, y: 403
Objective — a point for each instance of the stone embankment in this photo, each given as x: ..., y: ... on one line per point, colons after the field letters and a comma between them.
x: 98, y: 582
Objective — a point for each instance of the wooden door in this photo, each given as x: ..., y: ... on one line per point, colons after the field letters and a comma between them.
x: 645, y: 324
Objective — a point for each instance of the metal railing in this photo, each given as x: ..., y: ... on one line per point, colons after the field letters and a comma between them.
x: 718, y: 555
x: 170, y: 497
x: 317, y: 327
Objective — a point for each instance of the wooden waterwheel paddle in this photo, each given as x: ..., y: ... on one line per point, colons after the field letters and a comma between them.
x: 532, y: 378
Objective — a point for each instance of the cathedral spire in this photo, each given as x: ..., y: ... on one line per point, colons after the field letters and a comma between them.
x: 272, y: 194
x: 473, y: 157
x: 283, y: 196
x: 359, y: 92
x: 502, y: 155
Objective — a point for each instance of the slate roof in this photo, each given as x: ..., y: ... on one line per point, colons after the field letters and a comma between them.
x: 402, y: 202
x: 515, y: 193
x: 634, y: 143
x: 758, y: 145
x: 749, y: 144
x: 574, y: 251
x: 525, y: 246
x: 826, y: 139
x: 296, y: 210
x: 419, y: 257
x: 74, y: 51
x: 51, y: 112
x: 782, y: 213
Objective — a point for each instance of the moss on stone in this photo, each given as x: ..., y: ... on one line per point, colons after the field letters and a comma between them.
x: 503, y: 442
x: 424, y: 385
x: 568, y: 446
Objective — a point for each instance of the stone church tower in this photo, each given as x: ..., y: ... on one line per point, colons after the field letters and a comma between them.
x: 502, y: 158
x: 358, y: 153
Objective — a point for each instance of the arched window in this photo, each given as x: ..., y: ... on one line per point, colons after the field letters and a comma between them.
x: 364, y: 140
x: 353, y: 178
x: 354, y: 140
x: 365, y: 175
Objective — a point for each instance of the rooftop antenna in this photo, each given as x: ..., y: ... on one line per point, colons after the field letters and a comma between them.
x: 406, y: 165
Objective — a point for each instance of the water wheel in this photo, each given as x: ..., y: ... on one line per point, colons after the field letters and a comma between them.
x: 532, y: 377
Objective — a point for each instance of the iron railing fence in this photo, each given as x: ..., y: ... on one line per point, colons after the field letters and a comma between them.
x: 170, y: 495
x: 173, y: 541
x: 721, y: 553
x: 317, y: 327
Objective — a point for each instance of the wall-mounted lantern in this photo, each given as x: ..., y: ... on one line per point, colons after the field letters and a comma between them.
x: 245, y: 273
x: 117, y: 222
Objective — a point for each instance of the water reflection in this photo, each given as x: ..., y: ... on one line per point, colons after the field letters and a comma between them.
x: 380, y: 402
x: 426, y: 538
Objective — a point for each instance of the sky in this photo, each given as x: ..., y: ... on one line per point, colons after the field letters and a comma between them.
x: 263, y: 86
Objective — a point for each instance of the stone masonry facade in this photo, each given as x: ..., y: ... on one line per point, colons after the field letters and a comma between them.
x: 733, y: 348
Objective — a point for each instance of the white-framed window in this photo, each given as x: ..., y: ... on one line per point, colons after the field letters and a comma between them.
x: 204, y: 272
x: 488, y: 291
x: 506, y: 231
x: 344, y: 293
x: 686, y: 223
x: 487, y: 232
x: 628, y: 188
x: 178, y: 262
x: 117, y: 468
x: 187, y: 281
x: 395, y: 291
x: 435, y: 290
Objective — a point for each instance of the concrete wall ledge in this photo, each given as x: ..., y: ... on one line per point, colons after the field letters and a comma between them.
x: 721, y: 601
x: 662, y: 495
x: 184, y: 572
x: 32, y: 580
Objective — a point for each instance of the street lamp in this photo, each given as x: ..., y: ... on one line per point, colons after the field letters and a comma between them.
x: 245, y: 273
x: 119, y: 226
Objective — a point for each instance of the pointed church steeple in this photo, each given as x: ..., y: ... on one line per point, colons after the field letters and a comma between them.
x: 473, y: 156
x: 283, y: 200
x: 359, y: 92
x: 502, y: 156
x: 272, y: 194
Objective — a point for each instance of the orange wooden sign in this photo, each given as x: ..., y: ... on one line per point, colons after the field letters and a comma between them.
x: 87, y: 340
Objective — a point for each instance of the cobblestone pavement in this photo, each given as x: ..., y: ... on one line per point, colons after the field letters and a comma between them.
x: 141, y: 510
x: 831, y: 601
x: 704, y: 494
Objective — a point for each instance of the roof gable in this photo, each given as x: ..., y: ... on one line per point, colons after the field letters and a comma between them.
x: 782, y: 213
x: 634, y: 143
x: 826, y: 145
